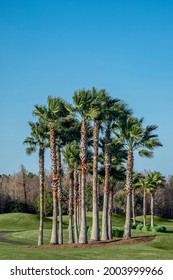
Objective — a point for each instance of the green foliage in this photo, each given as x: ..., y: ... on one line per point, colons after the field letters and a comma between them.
x: 146, y: 228
x: 117, y: 232
x: 158, y: 228
x: 48, y: 204
x: 134, y: 226
x: 139, y: 226
x: 16, y: 206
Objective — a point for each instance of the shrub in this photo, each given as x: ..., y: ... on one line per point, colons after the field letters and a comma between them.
x: 16, y: 206
x: 146, y: 228
x: 48, y: 204
x: 139, y: 226
x: 158, y: 229
x: 117, y: 232
x: 134, y: 226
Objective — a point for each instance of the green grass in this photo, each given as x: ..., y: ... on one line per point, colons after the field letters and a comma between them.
x: 25, y: 228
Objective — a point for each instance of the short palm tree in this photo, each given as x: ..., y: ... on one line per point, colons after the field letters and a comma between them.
x: 39, y: 137
x: 154, y: 180
x: 135, y: 137
x: 71, y: 157
x: 136, y: 184
x: 143, y: 183
x: 52, y: 114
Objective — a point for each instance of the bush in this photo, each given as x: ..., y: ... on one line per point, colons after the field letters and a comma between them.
x: 48, y: 204
x: 158, y: 229
x: 16, y: 206
x: 134, y: 226
x: 146, y: 228
x: 139, y: 226
x: 117, y: 232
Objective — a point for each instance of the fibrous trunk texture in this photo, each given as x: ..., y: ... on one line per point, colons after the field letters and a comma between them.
x: 76, y: 234
x: 41, y: 187
x: 60, y: 235
x: 95, y: 214
x: 54, y: 235
x: 152, y: 209
x: 144, y: 207
x: 70, y: 209
x: 83, y: 231
x: 133, y: 206
x: 104, y: 235
x: 129, y: 171
x: 110, y: 210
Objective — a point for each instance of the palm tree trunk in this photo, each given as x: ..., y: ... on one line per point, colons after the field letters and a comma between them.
x: 79, y: 201
x: 41, y: 183
x: 129, y: 171
x: 58, y: 153
x: 106, y: 188
x: 110, y: 210
x: 76, y: 234
x: 152, y: 209
x: 83, y: 231
x: 133, y: 206
x: 54, y: 235
x: 95, y: 214
x: 70, y: 209
x: 144, y: 207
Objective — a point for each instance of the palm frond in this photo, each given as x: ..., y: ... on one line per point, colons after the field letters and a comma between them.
x: 146, y: 153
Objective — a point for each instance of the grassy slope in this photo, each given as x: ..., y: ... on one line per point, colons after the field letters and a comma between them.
x: 27, y: 226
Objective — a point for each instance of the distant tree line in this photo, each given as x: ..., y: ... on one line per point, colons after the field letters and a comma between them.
x: 19, y: 192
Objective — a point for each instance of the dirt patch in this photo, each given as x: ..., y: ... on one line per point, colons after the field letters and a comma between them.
x: 92, y: 244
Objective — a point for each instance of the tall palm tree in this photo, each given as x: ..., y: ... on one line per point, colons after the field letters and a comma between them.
x: 154, y: 180
x: 117, y: 172
x: 66, y: 130
x: 135, y: 137
x: 52, y: 114
x: 98, y: 106
x: 39, y: 137
x: 115, y: 110
x: 82, y: 100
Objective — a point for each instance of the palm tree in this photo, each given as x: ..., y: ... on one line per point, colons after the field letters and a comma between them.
x: 117, y: 172
x: 39, y: 138
x: 143, y: 183
x: 136, y: 184
x: 98, y: 106
x: 71, y: 157
x: 52, y: 114
x: 66, y: 130
x: 82, y: 100
x: 135, y: 137
x: 115, y: 110
x: 155, y: 180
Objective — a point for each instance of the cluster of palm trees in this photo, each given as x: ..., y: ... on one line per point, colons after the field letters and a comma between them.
x: 97, y: 134
x: 149, y: 183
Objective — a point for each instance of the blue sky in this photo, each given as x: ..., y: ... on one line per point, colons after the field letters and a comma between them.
x: 56, y: 47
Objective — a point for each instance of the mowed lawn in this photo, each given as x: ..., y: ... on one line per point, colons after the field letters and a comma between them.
x: 24, y: 228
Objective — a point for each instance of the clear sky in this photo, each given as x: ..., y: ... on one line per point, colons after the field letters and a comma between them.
x: 58, y: 46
